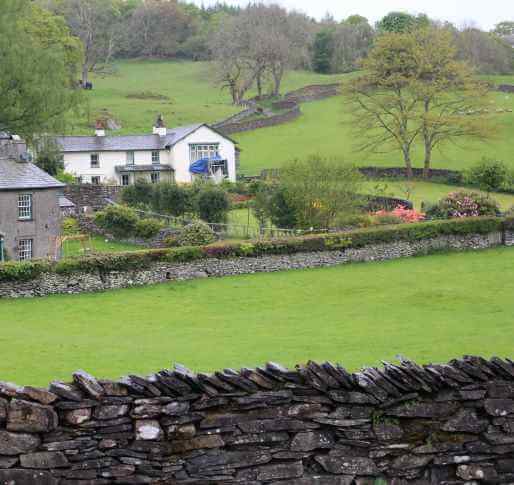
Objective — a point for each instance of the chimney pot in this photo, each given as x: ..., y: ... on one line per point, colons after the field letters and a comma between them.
x: 159, y: 128
x: 100, y: 128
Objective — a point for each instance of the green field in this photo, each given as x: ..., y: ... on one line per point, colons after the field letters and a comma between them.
x: 95, y: 244
x: 185, y: 93
x: 429, y: 308
x: 418, y: 191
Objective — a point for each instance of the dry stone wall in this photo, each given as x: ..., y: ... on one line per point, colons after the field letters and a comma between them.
x: 51, y: 283
x: 317, y: 424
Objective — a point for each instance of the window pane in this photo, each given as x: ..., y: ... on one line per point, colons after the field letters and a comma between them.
x: 95, y: 160
x: 24, y: 249
x: 156, y: 157
x: 25, y: 206
x: 130, y: 158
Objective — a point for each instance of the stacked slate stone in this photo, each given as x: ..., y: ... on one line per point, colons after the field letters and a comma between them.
x: 318, y: 424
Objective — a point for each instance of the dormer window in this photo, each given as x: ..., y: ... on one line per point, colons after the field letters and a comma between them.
x: 95, y: 160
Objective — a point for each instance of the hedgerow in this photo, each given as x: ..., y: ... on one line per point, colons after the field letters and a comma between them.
x: 134, y: 260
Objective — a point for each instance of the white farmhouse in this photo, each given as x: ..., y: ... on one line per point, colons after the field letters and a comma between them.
x: 180, y: 154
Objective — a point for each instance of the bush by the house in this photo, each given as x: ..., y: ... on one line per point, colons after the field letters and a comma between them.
x: 70, y: 226
x: 118, y: 220
x: 138, y: 195
x: 489, y: 175
x: 147, y: 228
x: 196, y: 234
x: 172, y: 199
x: 213, y: 204
x: 463, y: 204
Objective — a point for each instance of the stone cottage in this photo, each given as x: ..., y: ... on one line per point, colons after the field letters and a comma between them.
x: 30, y: 215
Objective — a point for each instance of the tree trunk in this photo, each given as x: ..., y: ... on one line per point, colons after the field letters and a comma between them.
x: 259, y: 85
x: 277, y: 78
x: 426, y: 139
x: 408, y: 162
x: 428, y: 160
x: 85, y: 74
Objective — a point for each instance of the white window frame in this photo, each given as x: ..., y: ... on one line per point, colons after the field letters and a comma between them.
x: 25, y: 249
x: 198, y: 151
x: 94, y: 159
x: 131, y: 157
x: 155, y: 177
x: 25, y: 209
x: 156, y: 157
x: 223, y: 164
x: 96, y: 177
x: 123, y: 178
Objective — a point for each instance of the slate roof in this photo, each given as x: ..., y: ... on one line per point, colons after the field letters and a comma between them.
x: 64, y: 202
x: 126, y: 142
x: 23, y: 175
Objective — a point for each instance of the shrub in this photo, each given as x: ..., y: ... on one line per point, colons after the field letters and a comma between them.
x: 213, y: 204
x: 399, y: 215
x: 148, y: 228
x: 464, y: 204
x: 354, y: 220
x: 489, y: 175
x: 196, y: 234
x: 70, y: 226
x: 117, y: 219
x: 138, y: 194
x: 23, y: 270
x: 172, y: 199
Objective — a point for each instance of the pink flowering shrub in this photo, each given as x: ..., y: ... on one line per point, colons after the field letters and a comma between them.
x: 464, y: 204
x: 399, y: 215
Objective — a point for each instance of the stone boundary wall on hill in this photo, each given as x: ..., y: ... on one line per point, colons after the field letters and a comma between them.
x: 254, y: 124
x: 314, y: 92
x: 400, y: 172
x: 506, y: 88
x: 80, y: 282
x: 317, y: 424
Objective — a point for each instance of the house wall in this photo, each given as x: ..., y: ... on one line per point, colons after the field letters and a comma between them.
x: 181, y: 156
x: 79, y: 163
x: 44, y: 227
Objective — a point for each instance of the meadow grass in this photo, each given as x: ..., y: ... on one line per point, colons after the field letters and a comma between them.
x: 429, y: 308
x: 95, y: 244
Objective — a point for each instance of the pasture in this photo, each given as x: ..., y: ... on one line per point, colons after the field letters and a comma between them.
x: 428, y: 308
x: 184, y: 92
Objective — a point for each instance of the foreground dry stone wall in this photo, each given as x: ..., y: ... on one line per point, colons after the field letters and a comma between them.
x: 51, y: 283
x: 317, y: 424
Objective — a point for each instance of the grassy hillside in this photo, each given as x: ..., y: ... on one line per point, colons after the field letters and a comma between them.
x: 184, y: 93
x: 430, y: 309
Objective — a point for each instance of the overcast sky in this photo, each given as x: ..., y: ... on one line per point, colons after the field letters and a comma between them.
x: 481, y: 13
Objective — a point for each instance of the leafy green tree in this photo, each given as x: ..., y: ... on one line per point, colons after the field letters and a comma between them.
x: 504, y: 28
x: 36, y: 89
x: 415, y: 89
x: 402, y: 22
x: 489, y: 175
x: 48, y: 155
x: 320, y: 190
x: 213, y: 205
x: 323, y: 50
x: 172, y: 199
x: 140, y: 194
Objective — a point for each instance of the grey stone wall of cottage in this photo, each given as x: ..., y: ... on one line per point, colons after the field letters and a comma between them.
x: 52, y: 283
x: 317, y: 424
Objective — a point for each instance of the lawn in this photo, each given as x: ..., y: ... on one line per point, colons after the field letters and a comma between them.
x: 418, y: 191
x: 95, y: 244
x: 428, y: 308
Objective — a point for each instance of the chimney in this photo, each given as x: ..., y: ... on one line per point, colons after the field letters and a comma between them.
x: 100, y: 128
x: 159, y: 128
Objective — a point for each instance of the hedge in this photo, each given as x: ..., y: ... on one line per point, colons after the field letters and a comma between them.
x: 134, y: 260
